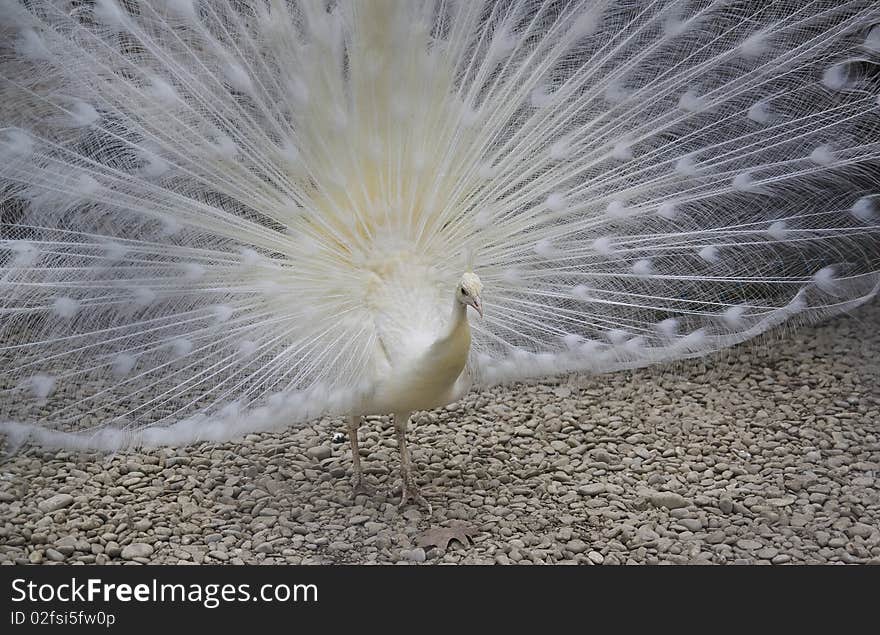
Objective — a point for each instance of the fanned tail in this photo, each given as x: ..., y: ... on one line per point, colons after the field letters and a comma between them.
x: 208, y: 206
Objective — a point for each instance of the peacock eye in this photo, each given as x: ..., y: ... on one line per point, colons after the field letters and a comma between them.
x: 464, y: 291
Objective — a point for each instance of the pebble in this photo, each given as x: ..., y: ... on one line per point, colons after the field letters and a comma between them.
x: 576, y: 546
x: 670, y: 500
x: 55, y: 556
x: 715, y: 538
x: 646, y: 534
x: 137, y: 550
x: 862, y: 530
x: 748, y: 545
x: 54, y: 503
x: 691, y: 524
x: 591, y: 489
x: 320, y: 452
x: 413, y: 555
x: 767, y: 553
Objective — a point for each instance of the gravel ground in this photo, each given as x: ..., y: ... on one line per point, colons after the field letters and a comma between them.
x: 768, y: 454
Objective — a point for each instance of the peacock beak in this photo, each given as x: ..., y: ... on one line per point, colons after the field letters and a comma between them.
x: 478, y: 305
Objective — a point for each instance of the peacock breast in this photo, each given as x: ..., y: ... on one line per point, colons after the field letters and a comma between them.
x: 430, y: 380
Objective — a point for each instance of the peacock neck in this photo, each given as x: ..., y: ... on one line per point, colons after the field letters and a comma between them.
x: 458, y: 320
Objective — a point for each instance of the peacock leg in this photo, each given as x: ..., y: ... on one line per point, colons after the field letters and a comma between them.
x: 360, y: 487
x: 409, y: 490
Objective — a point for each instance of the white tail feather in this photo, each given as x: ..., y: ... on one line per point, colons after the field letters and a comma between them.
x: 207, y: 208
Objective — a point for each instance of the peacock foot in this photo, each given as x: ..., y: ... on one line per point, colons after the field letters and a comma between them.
x: 410, y: 492
x: 361, y: 487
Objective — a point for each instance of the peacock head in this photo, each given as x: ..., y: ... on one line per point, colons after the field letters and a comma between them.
x: 469, y: 290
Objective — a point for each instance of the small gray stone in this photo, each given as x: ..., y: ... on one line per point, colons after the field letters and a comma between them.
x: 412, y: 514
x: 414, y: 555
x: 782, y: 501
x: 373, y: 528
x: 861, y: 529
x: 596, y: 557
x: 725, y: 505
x: 137, y: 550
x: 646, y: 534
x: 767, y: 553
x: 691, y: 524
x: 591, y: 489
x: 339, y: 545
x: 320, y: 452
x: 748, y: 545
x: 55, y: 556
x: 716, y: 537
x: 576, y: 546
x: 670, y: 500
x: 66, y: 545
x: 54, y: 503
